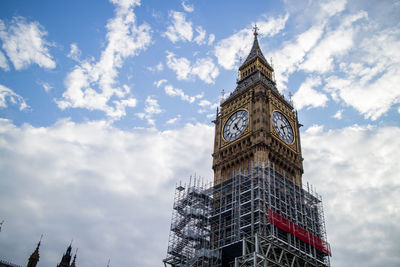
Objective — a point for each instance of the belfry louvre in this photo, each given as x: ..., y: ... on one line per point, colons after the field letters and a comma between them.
x: 257, y: 212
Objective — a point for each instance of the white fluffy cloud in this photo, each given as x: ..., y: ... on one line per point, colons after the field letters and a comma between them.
x: 160, y: 82
x: 335, y: 43
x: 292, y: 54
x: 203, y: 68
x: 370, y: 85
x: 187, y: 7
x: 307, y: 96
x: 91, y: 85
x: 24, y: 44
x: 229, y: 50
x: 200, y: 38
x: 151, y: 108
x: 356, y: 169
x: 3, y: 62
x: 74, y: 52
x: 339, y: 114
x: 46, y: 86
x: 7, y: 95
x: 180, y: 29
x: 92, y: 182
x: 174, y: 120
x: 181, y: 66
x: 159, y: 67
x: 171, y: 91
x: 331, y: 8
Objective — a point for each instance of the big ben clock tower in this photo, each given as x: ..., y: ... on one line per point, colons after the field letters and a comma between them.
x: 257, y: 211
x: 256, y: 124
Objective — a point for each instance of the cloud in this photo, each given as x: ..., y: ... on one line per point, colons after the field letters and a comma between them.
x: 203, y: 68
x: 180, y: 29
x: 74, y: 52
x: 292, y: 54
x: 181, y: 66
x: 46, y: 86
x: 338, y: 115
x: 24, y: 44
x: 205, y: 103
x: 206, y: 106
x: 151, y: 108
x: 371, y: 78
x: 187, y: 7
x: 171, y: 91
x: 211, y: 39
x: 7, y: 95
x: 94, y: 182
x: 356, y: 169
x: 332, y: 8
x: 160, y: 82
x: 173, y: 120
x: 229, y: 50
x: 159, y: 67
x: 200, y: 38
x: 335, y: 43
x: 3, y: 62
x: 91, y: 85
x: 314, y: 50
x: 307, y: 96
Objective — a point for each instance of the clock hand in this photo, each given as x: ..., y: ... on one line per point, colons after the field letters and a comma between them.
x: 236, y: 126
x: 283, y: 128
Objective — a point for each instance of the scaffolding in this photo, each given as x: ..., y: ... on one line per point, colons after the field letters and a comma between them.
x: 189, y: 240
x: 258, y: 217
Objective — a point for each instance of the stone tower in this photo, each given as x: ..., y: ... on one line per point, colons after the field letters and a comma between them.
x: 257, y: 211
x: 256, y: 123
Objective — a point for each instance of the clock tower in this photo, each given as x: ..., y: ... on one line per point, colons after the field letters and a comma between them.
x: 257, y: 211
x: 256, y: 124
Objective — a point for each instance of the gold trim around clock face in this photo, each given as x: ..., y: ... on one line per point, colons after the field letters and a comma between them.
x: 289, y: 124
x: 239, y: 128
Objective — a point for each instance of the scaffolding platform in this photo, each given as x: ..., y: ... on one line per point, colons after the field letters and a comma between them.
x: 258, y: 217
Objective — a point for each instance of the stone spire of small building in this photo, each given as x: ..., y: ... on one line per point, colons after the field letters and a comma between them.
x: 34, y: 258
x: 66, y: 259
x: 73, y: 264
x: 255, y: 66
x: 255, y: 53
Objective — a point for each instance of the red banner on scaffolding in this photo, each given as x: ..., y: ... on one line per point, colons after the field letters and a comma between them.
x: 299, y: 232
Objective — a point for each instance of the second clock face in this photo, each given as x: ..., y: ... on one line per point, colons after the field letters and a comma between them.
x: 235, y: 125
x: 282, y: 127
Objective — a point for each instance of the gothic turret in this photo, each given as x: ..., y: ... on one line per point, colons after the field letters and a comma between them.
x: 66, y: 259
x: 34, y: 258
x: 255, y: 62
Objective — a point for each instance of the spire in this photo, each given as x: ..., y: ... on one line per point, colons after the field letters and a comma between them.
x: 34, y: 258
x: 73, y: 264
x: 255, y: 52
x: 66, y: 259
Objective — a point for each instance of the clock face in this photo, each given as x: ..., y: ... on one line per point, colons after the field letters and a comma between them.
x: 235, y: 125
x: 282, y: 127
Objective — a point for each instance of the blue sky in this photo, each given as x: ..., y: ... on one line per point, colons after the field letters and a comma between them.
x: 105, y: 105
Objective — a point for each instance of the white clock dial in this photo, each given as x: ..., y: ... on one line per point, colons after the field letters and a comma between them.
x: 235, y: 125
x: 282, y: 127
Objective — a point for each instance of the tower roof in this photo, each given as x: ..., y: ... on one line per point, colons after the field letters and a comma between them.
x: 34, y: 258
x: 255, y: 53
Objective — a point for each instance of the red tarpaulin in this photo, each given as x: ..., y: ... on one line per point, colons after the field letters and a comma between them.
x: 299, y: 232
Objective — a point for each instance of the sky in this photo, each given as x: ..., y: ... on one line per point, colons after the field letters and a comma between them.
x: 106, y: 105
